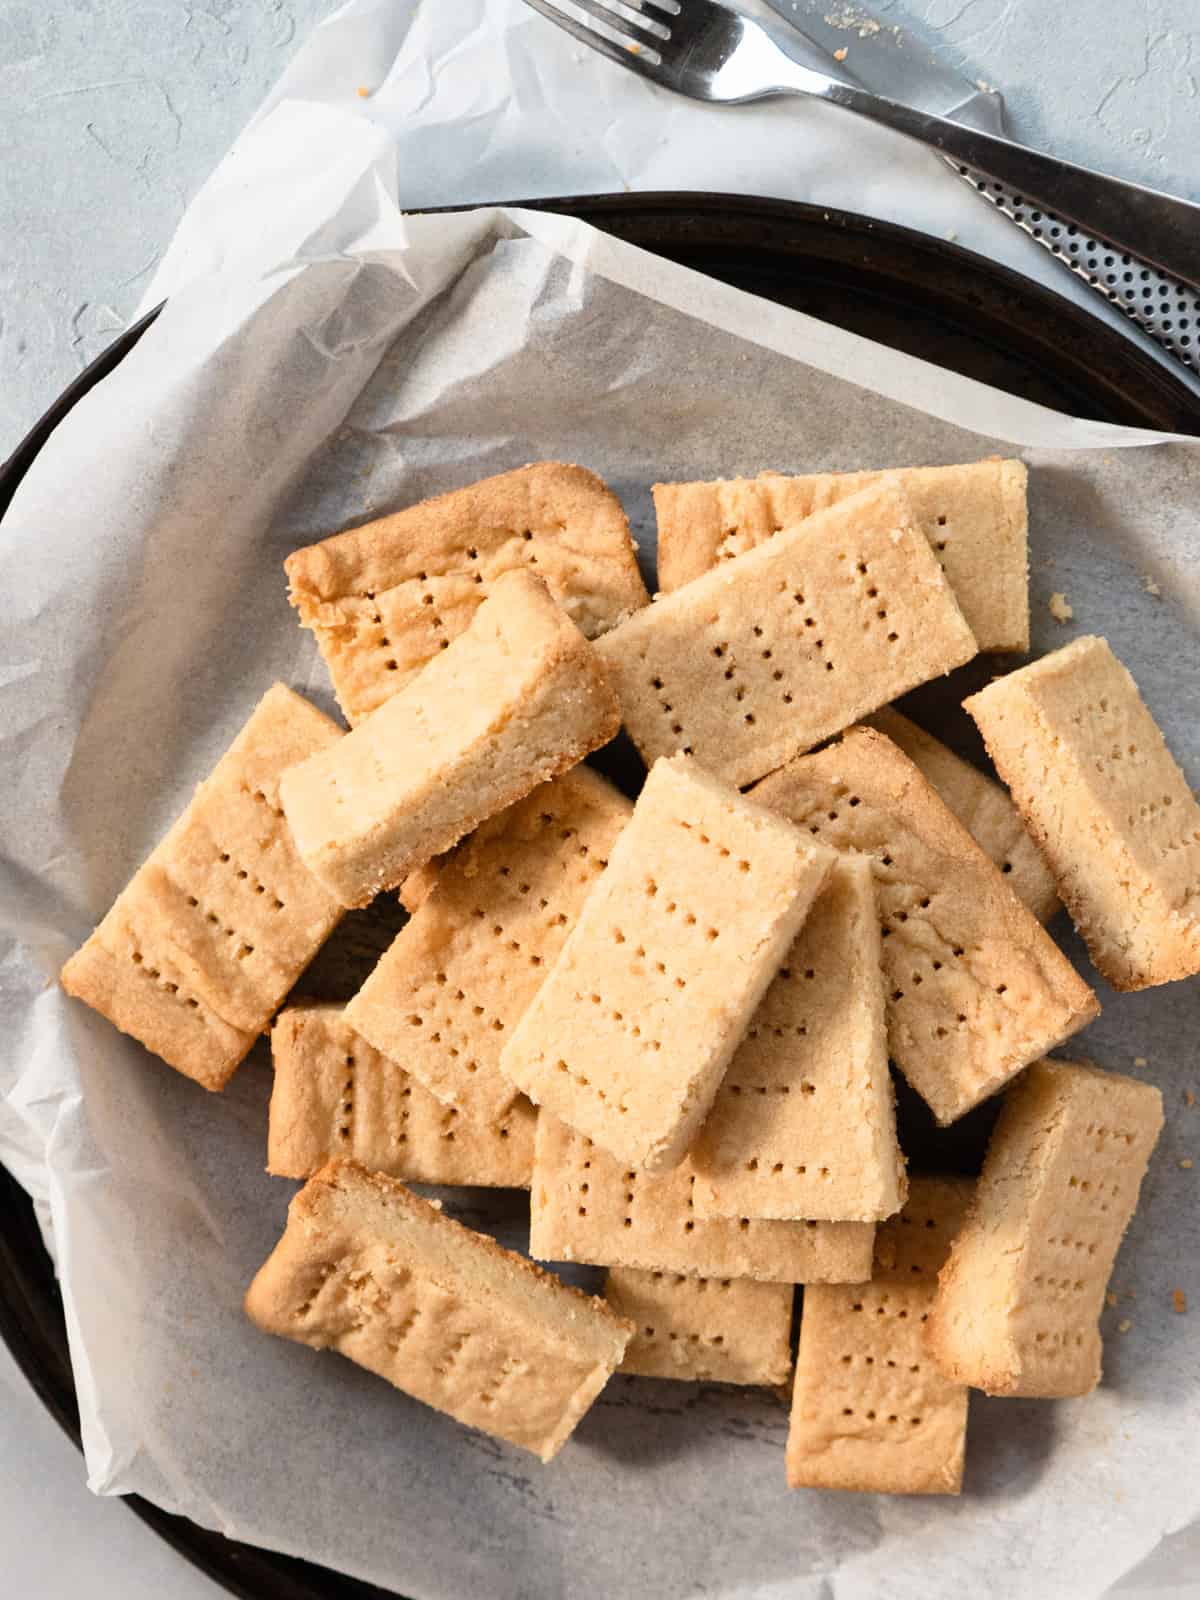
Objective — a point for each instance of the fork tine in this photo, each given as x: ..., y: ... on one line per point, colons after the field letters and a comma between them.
x: 622, y: 16
x: 621, y: 54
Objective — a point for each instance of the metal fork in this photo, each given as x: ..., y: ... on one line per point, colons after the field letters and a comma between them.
x: 708, y: 52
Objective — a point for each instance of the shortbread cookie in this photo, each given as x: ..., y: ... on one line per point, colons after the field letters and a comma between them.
x: 459, y: 977
x: 1107, y: 804
x: 1018, y: 1308
x: 372, y: 1271
x: 336, y: 1096
x: 629, y: 1036
x: 204, y: 943
x: 586, y: 1206
x: 974, y: 517
x: 870, y: 1409
x: 767, y: 655
x: 976, y: 988
x: 981, y: 805
x: 804, y: 1123
x: 383, y: 599
x: 516, y: 699
x: 704, y: 1330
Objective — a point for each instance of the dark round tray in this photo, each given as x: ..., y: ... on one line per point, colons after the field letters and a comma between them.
x: 907, y: 290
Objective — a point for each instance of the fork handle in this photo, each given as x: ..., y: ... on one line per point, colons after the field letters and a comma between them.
x: 1144, y: 222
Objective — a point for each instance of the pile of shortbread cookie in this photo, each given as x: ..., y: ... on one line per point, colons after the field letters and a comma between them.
x: 671, y: 1019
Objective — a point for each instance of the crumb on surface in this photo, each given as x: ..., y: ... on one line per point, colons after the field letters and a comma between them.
x: 1186, y: 1163
x: 1151, y: 587
x: 850, y: 19
x: 1060, y: 607
x: 363, y: 92
x: 1189, y: 1099
x: 840, y: 55
x: 1124, y: 1325
x: 1110, y: 1298
x: 1140, y: 1061
x: 1178, y: 1301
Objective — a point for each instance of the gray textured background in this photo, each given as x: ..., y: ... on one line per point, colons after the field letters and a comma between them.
x: 112, y: 112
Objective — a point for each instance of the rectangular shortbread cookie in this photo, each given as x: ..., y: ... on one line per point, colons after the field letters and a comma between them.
x: 982, y: 806
x: 804, y: 1123
x: 384, y: 598
x: 372, y: 1271
x: 705, y: 1330
x: 976, y: 988
x: 586, y: 1206
x: 203, y: 944
x: 630, y: 1034
x: 974, y: 517
x: 767, y: 655
x: 516, y: 699
x: 459, y: 977
x: 335, y: 1096
x: 1109, y: 807
x: 1018, y: 1308
x: 870, y: 1409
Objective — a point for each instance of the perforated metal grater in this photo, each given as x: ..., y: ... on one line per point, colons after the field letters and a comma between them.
x: 1166, y: 309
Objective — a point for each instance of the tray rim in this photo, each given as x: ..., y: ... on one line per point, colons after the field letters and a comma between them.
x: 1158, y: 374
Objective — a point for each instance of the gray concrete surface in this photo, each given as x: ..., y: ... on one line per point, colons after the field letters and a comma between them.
x: 112, y: 112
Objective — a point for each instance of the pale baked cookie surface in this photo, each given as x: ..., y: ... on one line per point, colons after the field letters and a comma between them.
x: 519, y: 697
x: 367, y: 1268
x: 703, y: 1330
x: 976, y: 988
x: 447, y: 995
x: 1108, y: 805
x: 385, y: 598
x: 334, y: 1095
x: 587, y: 1206
x: 764, y: 656
x: 870, y: 1409
x: 201, y: 947
x: 983, y: 806
x: 974, y: 516
x: 629, y: 1035
x: 804, y: 1123
x: 1018, y: 1308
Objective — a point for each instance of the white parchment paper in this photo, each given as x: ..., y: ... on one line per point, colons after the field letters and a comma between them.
x: 349, y: 360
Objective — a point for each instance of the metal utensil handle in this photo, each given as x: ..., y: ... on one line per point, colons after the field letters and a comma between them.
x: 1156, y: 227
